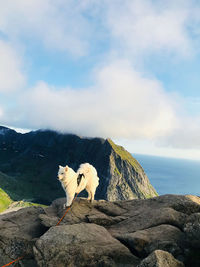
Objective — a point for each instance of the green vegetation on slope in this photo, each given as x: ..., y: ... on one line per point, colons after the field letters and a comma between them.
x: 25, y: 204
x: 5, y: 200
x: 125, y: 155
x: 11, y: 190
x: 10, y: 186
x: 17, y: 189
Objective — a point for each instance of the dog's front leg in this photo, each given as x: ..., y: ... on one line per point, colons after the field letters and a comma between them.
x: 89, y: 196
x: 69, y: 199
x: 67, y: 202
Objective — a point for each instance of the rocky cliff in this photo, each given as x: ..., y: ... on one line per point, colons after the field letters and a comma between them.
x: 29, y: 164
x: 163, y: 231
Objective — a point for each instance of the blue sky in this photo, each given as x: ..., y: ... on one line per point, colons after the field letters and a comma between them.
x: 125, y: 69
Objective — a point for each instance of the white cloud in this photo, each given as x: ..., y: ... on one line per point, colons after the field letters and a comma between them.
x: 57, y: 24
x: 186, y: 134
x: 134, y: 26
x: 1, y: 112
x: 152, y: 26
x: 11, y: 75
x: 149, y: 147
x: 122, y: 103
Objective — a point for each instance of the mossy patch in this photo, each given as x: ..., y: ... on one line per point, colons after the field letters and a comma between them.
x: 5, y: 200
x: 116, y: 171
x: 151, y: 188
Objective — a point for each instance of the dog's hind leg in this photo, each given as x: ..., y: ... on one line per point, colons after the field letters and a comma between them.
x: 92, y: 196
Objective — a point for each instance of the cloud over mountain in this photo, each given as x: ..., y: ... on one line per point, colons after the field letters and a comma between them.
x: 123, y: 97
x: 122, y: 103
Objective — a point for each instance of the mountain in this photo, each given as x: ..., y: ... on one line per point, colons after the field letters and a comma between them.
x: 29, y: 164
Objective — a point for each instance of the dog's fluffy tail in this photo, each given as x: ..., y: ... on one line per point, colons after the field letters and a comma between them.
x: 88, y: 170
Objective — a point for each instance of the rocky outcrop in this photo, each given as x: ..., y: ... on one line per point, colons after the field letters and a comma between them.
x: 29, y: 165
x: 162, y: 231
x: 127, y: 178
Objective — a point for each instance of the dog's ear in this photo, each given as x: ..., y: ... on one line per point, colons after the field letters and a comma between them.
x: 66, y: 168
x: 60, y: 166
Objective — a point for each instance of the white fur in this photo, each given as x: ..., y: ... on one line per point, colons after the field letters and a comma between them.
x: 68, y: 179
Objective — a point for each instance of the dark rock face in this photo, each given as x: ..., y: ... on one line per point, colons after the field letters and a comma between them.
x: 154, y: 232
x: 143, y: 242
x: 29, y: 165
x: 18, y: 230
x: 192, y: 230
x: 127, y: 180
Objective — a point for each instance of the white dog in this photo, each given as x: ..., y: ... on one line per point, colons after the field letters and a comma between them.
x: 75, y: 182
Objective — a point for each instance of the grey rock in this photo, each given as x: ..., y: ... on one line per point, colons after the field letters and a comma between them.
x: 192, y: 229
x: 160, y: 258
x: 99, y: 212
x: 187, y: 204
x: 102, y: 233
x: 146, y: 214
x: 81, y: 245
x: 192, y: 246
x: 165, y: 237
x: 18, y: 231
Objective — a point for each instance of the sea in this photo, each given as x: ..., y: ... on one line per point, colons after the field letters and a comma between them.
x: 171, y: 175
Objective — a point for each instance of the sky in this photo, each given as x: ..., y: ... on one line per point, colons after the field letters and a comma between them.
x: 123, y: 69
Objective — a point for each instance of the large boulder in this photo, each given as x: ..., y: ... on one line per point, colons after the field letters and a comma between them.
x: 192, y: 229
x: 18, y: 232
x: 143, y: 242
x: 81, y: 245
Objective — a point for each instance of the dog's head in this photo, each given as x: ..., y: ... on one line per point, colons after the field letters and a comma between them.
x: 62, y: 172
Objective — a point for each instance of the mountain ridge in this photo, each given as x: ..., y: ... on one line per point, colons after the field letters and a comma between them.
x: 31, y: 160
